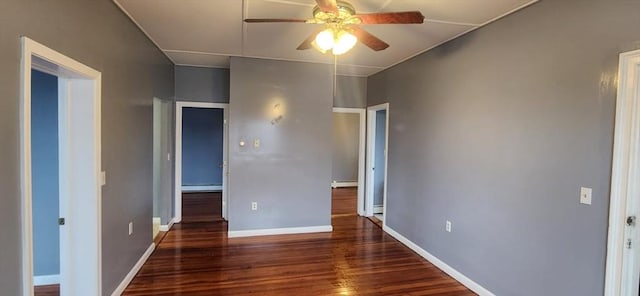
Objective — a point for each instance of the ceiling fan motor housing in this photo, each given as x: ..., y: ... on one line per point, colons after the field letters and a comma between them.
x: 344, y: 15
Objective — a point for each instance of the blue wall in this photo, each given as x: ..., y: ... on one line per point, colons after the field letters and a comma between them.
x: 202, y: 137
x: 44, y: 137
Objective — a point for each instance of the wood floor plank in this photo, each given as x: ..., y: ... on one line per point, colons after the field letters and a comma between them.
x: 201, y: 207
x: 48, y: 290
x: 344, y: 201
x: 357, y: 258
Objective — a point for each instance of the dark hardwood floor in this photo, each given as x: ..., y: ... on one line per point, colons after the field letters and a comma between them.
x: 49, y: 290
x: 201, y: 207
x: 344, y: 201
x: 357, y: 258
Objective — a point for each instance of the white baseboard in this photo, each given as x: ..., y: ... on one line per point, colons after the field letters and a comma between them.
x: 201, y: 188
x: 134, y: 270
x: 275, y: 231
x: 473, y: 286
x: 378, y: 209
x: 156, y: 226
x: 43, y: 280
x: 168, y: 226
x: 336, y: 184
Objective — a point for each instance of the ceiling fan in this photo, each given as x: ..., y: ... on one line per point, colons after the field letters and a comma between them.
x: 341, y: 31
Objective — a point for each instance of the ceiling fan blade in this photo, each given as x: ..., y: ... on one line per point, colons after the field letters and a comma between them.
x: 275, y: 21
x: 306, y: 44
x: 328, y: 5
x: 406, y: 17
x: 368, y: 39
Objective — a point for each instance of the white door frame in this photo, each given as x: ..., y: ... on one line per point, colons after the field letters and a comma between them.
x: 361, y: 152
x: 79, y: 98
x: 178, y: 155
x: 371, y: 138
x: 624, y: 263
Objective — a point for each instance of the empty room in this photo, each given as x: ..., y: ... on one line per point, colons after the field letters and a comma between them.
x: 320, y: 147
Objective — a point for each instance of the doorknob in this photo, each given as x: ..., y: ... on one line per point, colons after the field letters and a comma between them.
x: 631, y: 220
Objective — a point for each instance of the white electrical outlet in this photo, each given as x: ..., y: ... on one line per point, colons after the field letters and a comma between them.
x: 447, y: 226
x: 585, y: 195
x: 254, y: 206
x: 130, y: 228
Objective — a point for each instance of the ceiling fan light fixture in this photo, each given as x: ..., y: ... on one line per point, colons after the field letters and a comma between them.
x: 325, y: 40
x: 344, y: 42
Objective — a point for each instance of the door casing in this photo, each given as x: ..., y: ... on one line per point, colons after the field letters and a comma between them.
x: 623, y: 264
x: 178, y: 156
x: 370, y: 160
x: 79, y: 97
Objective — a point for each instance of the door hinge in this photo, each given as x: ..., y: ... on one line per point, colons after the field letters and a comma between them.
x: 628, y: 243
x: 61, y: 221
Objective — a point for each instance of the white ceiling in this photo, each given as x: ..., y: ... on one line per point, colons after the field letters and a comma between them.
x: 207, y: 32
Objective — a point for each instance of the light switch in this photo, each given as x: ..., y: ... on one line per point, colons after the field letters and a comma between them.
x: 585, y: 195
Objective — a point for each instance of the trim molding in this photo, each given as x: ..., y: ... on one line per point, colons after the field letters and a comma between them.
x: 276, y: 231
x: 168, y: 226
x: 473, y: 286
x: 134, y: 270
x: 378, y: 209
x: 43, y: 280
x: 335, y: 184
x: 188, y: 188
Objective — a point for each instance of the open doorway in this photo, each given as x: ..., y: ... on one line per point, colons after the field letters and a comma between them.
x: 60, y: 173
x: 45, y: 182
x: 201, y: 168
x: 162, y: 167
x: 377, y: 144
x: 348, y: 161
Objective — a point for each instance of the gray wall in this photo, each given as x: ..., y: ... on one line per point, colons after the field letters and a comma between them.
x: 99, y: 35
x: 351, y: 92
x: 379, y: 161
x: 346, y: 134
x: 198, y: 84
x: 202, y: 84
x: 202, y: 137
x: 289, y: 175
x: 496, y: 131
x: 45, y: 174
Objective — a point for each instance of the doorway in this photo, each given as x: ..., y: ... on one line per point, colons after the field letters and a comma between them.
x: 623, y: 247
x: 348, y: 161
x: 77, y: 187
x: 162, y: 166
x: 377, y: 144
x: 201, y: 169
